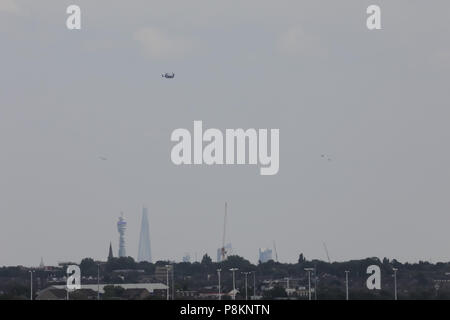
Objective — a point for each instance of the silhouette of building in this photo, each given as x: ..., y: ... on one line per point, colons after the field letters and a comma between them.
x: 121, y: 227
x: 144, y: 253
x: 110, y: 254
x: 41, y: 264
x: 265, y: 255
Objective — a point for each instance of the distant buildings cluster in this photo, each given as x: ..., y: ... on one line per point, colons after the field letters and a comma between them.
x: 144, y: 252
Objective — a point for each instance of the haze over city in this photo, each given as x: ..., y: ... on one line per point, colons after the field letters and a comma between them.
x: 86, y: 118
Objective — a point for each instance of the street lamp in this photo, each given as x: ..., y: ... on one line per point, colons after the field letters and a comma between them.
x: 31, y: 284
x: 172, y: 269
x: 395, y: 282
x: 309, y: 270
x: 167, y: 280
x: 346, y: 284
x: 218, y: 275
x: 98, y: 281
x: 246, y: 274
x: 315, y: 283
x: 254, y: 284
x: 233, y: 270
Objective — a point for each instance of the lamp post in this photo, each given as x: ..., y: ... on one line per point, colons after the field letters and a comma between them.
x: 309, y: 270
x: 346, y: 284
x: 287, y: 286
x: 173, y: 281
x: 315, y: 283
x: 31, y: 284
x: 98, y: 281
x: 218, y: 275
x: 246, y: 274
x: 395, y: 283
x: 167, y: 280
x: 233, y: 270
x: 254, y: 284
x: 287, y: 282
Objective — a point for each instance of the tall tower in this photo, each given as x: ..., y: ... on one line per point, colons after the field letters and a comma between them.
x: 121, y: 227
x: 144, y: 253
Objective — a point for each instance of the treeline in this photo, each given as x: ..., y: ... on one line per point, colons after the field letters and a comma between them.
x: 422, y: 280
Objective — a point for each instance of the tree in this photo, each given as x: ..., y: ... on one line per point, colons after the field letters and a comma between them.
x: 421, y: 279
x: 88, y: 267
x: 206, y: 260
x: 235, y: 261
x: 121, y: 264
x: 301, y: 258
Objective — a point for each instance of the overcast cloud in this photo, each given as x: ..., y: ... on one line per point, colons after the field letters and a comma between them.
x: 375, y: 102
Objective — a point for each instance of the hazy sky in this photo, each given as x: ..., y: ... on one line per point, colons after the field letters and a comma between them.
x: 376, y: 102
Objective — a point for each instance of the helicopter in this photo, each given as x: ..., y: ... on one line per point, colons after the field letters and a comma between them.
x: 168, y: 75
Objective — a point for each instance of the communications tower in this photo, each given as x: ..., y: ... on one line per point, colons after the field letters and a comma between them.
x: 121, y: 227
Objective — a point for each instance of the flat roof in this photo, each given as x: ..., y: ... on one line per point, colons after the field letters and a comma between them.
x: 149, y: 286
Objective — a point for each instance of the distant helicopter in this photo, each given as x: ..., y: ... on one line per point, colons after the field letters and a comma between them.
x: 168, y: 75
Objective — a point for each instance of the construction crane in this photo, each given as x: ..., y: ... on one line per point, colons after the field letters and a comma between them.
x: 326, y: 251
x: 275, y: 250
x: 223, y: 249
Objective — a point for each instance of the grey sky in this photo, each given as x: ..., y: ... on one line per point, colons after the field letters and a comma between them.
x: 376, y: 102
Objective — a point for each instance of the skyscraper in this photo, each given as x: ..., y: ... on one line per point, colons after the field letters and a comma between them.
x: 121, y: 227
x: 144, y: 253
x: 265, y: 255
x: 42, y: 265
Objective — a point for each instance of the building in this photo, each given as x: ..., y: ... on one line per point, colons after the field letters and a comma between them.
x: 265, y: 255
x: 41, y: 264
x: 110, y: 253
x: 186, y: 294
x: 121, y: 227
x: 162, y: 272
x: 64, y: 264
x: 136, y: 294
x: 89, y: 291
x: 144, y: 253
x: 52, y: 293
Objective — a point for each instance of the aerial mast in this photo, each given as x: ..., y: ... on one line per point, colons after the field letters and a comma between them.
x: 326, y: 251
x: 275, y: 249
x: 224, y: 233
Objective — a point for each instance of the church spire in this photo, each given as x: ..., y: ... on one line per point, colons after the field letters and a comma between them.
x: 110, y: 254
